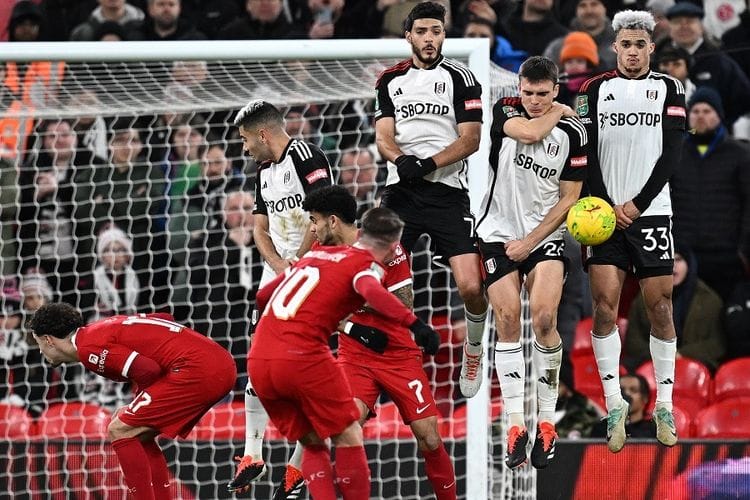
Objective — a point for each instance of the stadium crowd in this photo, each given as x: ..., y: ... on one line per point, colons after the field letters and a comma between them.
x: 118, y: 215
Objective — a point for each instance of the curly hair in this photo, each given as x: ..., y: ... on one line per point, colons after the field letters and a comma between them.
x: 56, y: 320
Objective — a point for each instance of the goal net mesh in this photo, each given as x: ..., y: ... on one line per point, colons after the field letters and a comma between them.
x: 115, y: 181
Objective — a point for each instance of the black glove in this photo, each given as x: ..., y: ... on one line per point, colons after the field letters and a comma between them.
x: 425, y: 337
x: 370, y: 337
x: 410, y: 167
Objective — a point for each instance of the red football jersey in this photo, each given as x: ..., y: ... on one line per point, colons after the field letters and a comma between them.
x: 306, y: 307
x: 400, y: 340
x: 109, y: 347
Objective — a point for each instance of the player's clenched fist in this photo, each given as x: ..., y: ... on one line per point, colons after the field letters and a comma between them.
x: 425, y: 337
x: 410, y: 167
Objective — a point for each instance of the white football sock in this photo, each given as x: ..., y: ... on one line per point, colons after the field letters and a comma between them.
x: 547, y: 362
x: 256, y: 421
x: 474, y: 331
x: 663, y: 354
x: 607, y: 351
x: 296, y: 459
x: 511, y: 372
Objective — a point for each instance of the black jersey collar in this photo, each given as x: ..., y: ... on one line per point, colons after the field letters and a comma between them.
x: 433, y: 66
x: 286, y: 150
x: 623, y: 75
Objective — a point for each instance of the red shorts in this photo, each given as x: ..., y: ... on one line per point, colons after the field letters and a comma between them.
x: 406, y: 384
x: 174, y: 403
x: 302, y: 396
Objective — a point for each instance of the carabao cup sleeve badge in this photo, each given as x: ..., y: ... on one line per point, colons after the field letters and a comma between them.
x: 582, y: 105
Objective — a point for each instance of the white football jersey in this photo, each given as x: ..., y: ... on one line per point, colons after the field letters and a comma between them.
x: 629, y: 122
x: 524, y: 179
x: 280, y: 189
x: 427, y: 106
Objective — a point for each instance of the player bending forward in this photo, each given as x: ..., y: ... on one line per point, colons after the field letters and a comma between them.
x: 163, y: 359
x: 291, y: 366
x: 378, y: 354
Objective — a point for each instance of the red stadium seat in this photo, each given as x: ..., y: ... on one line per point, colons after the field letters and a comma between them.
x: 74, y: 420
x: 729, y: 419
x: 692, y: 387
x: 682, y: 422
x: 455, y: 425
x: 732, y: 379
x: 582, y: 340
x: 15, y: 422
x: 223, y: 421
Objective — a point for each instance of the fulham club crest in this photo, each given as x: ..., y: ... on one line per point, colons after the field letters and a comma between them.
x: 651, y: 95
x: 552, y: 149
x: 287, y: 177
x: 439, y: 88
x: 490, y: 265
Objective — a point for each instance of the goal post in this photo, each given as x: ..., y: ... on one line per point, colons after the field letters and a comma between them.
x: 130, y: 80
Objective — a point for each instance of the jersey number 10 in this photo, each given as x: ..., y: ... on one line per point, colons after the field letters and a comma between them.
x: 292, y: 292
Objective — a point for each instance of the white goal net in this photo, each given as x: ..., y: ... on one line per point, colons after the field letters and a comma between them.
x: 117, y: 170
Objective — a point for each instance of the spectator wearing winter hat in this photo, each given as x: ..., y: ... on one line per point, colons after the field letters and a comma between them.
x: 591, y: 17
x: 711, y: 66
x: 711, y: 194
x: 578, y: 59
x: 36, y: 292
x: 115, y: 282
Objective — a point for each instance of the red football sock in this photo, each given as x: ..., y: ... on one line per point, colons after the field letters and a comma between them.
x: 135, y: 467
x: 439, y: 470
x: 318, y: 472
x: 159, y: 470
x: 352, y: 472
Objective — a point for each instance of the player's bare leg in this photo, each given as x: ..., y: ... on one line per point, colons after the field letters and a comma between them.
x: 606, y: 285
x: 133, y: 458
x: 438, y: 464
x: 547, y: 353
x: 251, y: 466
x: 657, y: 295
x: 509, y: 363
x: 466, y: 273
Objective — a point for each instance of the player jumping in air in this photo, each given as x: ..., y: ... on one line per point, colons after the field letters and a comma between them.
x: 538, y: 163
x: 635, y: 118
x: 428, y: 122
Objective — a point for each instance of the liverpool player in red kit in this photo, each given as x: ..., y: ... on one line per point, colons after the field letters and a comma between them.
x: 379, y: 355
x: 291, y: 366
x: 179, y: 375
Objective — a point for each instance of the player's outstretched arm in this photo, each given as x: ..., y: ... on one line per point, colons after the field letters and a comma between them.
x: 385, y: 138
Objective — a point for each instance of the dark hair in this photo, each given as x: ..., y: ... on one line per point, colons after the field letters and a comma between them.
x: 57, y: 320
x: 643, y: 387
x: 424, y: 10
x: 670, y: 54
x: 258, y: 112
x: 538, y: 69
x: 382, y: 225
x: 332, y: 200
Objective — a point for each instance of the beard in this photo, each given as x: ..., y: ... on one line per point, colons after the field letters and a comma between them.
x: 427, y: 59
